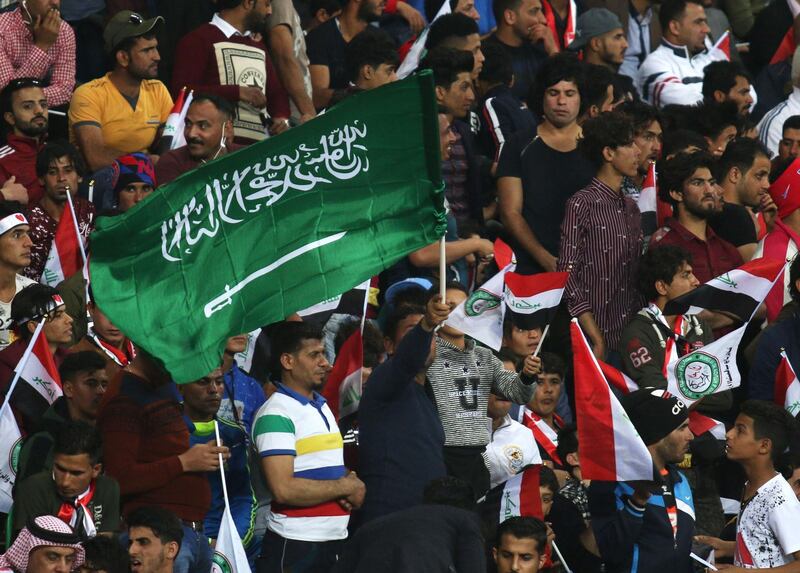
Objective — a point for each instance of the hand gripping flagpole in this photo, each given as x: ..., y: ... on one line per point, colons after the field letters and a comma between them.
x: 21, y: 366
x: 541, y: 340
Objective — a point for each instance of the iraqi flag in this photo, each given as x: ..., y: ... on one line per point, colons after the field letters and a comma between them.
x: 411, y: 61
x: 609, y: 446
x: 700, y: 424
x: 533, y: 300
x: 35, y: 387
x: 723, y: 45
x: 481, y: 315
x: 172, y: 137
x: 787, y: 386
x: 617, y: 379
x: 66, y: 252
x: 708, y: 370
x: 350, y: 302
x: 229, y: 554
x: 738, y: 292
x: 343, y: 388
x: 648, y: 200
x: 517, y: 496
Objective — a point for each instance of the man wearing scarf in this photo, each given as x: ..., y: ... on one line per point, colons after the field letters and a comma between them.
x: 43, y: 540
x: 74, y: 490
x: 104, y: 338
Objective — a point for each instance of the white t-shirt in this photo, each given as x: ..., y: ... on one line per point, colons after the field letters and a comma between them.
x: 768, y: 532
x: 511, y: 449
x: 5, y: 312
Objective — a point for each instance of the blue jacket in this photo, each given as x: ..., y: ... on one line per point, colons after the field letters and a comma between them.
x: 632, y: 540
x: 784, y: 334
x: 502, y: 115
x: 246, y: 393
x: 401, y: 437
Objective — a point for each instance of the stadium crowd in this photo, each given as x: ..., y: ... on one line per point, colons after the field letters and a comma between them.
x: 645, y: 148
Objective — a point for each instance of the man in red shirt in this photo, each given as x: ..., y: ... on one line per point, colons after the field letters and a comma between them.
x: 24, y: 108
x: 686, y: 182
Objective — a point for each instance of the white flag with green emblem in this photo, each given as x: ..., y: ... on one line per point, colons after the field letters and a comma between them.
x: 229, y: 553
x: 705, y: 371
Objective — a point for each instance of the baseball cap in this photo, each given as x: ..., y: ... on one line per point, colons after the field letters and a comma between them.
x: 593, y: 23
x: 128, y: 24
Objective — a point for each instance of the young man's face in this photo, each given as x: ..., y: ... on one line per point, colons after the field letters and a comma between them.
x: 527, y: 20
x: 612, y: 47
x: 561, y: 103
x: 523, y: 342
x: 132, y: 193
x: 545, y: 397
x: 467, y: 7
x: 28, y: 112
x: 514, y: 555
x: 692, y: 28
x: 204, y: 396
x: 73, y: 474
x: 458, y: 97
x: 753, y: 185
x: 51, y: 559
x: 84, y: 390
x: 58, y: 327
x: 682, y: 282
x: 372, y: 78
x: 740, y: 95
x: 308, y: 364
x: 626, y: 159
x: 674, y: 446
x: 446, y: 137
x: 699, y: 195
x: 104, y: 328
x: 789, y: 145
x: 61, y: 176
x: 15, y: 247
x: 148, y: 554
x: 741, y: 442
x: 649, y: 143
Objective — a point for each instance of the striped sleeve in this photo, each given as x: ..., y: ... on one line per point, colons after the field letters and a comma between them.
x: 274, y: 435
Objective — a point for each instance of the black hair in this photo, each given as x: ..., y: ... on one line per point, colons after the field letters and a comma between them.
x: 32, y: 302
x: 12, y: 87
x: 794, y: 276
x: 552, y: 363
x: 223, y: 106
x: 509, y: 324
x: 711, y: 119
x: 505, y: 355
x: 673, y: 173
x: 450, y: 26
x: 371, y: 47
x: 287, y: 338
x: 740, y: 153
x: 596, y: 81
x: 679, y: 140
x: 497, y: 68
x: 499, y: 8
x: 548, y: 479
x: 10, y: 207
x: 523, y: 528
x: 560, y: 67
x: 330, y: 6
x: 76, y: 362
x: 567, y: 443
x: 54, y: 150
x: 228, y: 4
x: 75, y: 438
x: 163, y: 523
x: 446, y: 64
x: 612, y: 129
x: 792, y: 122
x: 659, y: 263
x: 721, y: 75
x: 675, y: 116
x: 641, y: 114
x: 449, y: 490
x: 673, y: 10
x: 772, y: 422
x: 372, y: 340
x: 106, y: 554
x: 399, y: 314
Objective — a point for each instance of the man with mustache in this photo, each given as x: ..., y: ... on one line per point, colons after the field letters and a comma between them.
x: 686, y: 182
x: 208, y: 132
x: 24, y: 108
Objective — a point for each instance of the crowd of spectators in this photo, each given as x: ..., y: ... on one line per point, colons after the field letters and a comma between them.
x: 642, y: 147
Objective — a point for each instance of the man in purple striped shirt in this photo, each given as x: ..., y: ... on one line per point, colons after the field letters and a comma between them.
x: 601, y: 236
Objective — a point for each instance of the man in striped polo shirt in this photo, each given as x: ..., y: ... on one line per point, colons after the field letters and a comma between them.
x: 301, y: 457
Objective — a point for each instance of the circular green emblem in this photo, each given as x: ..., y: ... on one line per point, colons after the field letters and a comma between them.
x: 13, y: 456
x: 220, y: 564
x: 698, y: 375
x: 479, y: 302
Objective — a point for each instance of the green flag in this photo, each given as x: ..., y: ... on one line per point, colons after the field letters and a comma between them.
x: 256, y: 235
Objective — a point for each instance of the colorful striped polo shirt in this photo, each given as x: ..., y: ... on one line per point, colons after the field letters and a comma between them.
x: 290, y: 424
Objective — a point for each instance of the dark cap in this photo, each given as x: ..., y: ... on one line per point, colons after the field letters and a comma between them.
x: 655, y: 413
x: 127, y: 24
x: 593, y: 23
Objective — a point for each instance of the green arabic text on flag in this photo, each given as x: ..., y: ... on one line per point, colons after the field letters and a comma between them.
x: 276, y: 227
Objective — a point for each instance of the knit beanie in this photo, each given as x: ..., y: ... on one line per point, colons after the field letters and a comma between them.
x: 655, y: 413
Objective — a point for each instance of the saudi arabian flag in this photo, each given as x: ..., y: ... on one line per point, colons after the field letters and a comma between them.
x: 276, y: 227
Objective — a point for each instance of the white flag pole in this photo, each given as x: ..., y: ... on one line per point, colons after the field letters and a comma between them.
x: 222, y: 468
x: 442, y: 269
x: 541, y: 340
x: 703, y: 562
x: 561, y: 557
x: 21, y: 366
x: 75, y: 224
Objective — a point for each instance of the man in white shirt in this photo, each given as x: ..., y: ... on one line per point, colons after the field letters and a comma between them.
x: 673, y: 73
x: 770, y: 128
x: 512, y: 447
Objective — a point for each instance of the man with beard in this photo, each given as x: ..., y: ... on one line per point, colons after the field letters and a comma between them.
x: 728, y: 81
x: 208, y: 131
x: 123, y: 111
x: 222, y: 58
x: 59, y: 168
x: 24, y: 108
x: 327, y: 45
x: 73, y: 489
x: 300, y: 446
x: 686, y: 182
